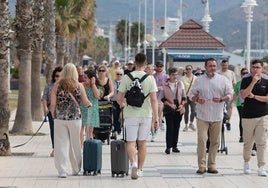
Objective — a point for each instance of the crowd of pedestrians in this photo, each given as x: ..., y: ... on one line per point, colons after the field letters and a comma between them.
x: 72, y: 101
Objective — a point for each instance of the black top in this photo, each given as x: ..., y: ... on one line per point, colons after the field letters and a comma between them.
x: 252, y: 107
x: 104, y: 89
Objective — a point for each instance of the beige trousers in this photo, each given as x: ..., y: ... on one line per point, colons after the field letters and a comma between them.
x: 67, y: 143
x: 214, y: 137
x: 255, y: 129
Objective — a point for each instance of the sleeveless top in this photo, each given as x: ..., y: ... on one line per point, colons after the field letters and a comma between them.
x: 66, y: 108
x: 104, y: 89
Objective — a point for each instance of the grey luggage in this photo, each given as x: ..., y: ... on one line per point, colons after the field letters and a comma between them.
x: 119, y: 158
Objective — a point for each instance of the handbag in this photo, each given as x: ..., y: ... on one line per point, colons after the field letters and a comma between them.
x: 168, y: 110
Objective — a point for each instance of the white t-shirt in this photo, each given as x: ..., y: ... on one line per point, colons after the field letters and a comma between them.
x: 230, y: 75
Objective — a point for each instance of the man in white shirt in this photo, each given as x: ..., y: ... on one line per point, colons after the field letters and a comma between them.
x: 232, y: 78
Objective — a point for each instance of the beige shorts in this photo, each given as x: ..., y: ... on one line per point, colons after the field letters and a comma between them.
x: 137, y: 128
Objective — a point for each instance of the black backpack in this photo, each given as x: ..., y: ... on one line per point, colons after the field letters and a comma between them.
x: 134, y: 95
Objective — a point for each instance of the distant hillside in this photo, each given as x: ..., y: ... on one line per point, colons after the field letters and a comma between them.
x: 229, y: 21
x: 231, y: 25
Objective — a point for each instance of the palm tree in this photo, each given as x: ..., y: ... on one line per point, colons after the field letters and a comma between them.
x: 4, y: 66
x: 37, y: 61
x: 120, y: 32
x: 49, y: 37
x: 73, y: 18
x: 135, y: 33
x: 24, y: 26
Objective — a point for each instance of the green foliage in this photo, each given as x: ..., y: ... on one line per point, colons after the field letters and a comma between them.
x: 14, y: 72
x: 265, y: 58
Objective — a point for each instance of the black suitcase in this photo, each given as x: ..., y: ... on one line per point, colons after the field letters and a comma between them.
x: 92, y: 156
x: 119, y: 158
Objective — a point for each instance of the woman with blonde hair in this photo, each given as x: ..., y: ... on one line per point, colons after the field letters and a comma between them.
x: 66, y: 96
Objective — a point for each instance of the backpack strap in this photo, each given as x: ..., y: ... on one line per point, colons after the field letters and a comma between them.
x: 141, y: 79
x: 144, y: 77
x: 130, y: 76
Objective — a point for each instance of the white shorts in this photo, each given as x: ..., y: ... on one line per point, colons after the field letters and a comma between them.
x: 137, y: 128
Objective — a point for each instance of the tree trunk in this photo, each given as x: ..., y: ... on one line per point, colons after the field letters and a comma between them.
x: 37, y: 46
x: 36, y: 109
x: 24, y: 27
x: 60, y: 49
x: 50, y: 37
x: 4, y: 66
x: 68, y: 47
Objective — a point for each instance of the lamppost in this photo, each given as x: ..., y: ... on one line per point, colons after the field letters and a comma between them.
x: 265, y: 31
x: 248, y: 6
x: 126, y: 49
x: 165, y: 34
x: 206, y: 19
x: 153, y: 35
x: 129, y: 38
x: 145, y: 43
x: 139, y: 29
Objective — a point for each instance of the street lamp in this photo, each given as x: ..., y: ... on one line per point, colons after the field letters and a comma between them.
x: 265, y: 31
x: 145, y: 43
x: 165, y: 35
x: 139, y: 29
x: 206, y: 19
x: 129, y: 38
x: 248, y: 6
x: 153, y: 35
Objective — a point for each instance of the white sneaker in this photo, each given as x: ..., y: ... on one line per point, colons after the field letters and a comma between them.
x: 63, y: 175
x: 134, y: 169
x: 191, y: 126
x: 246, y: 168
x: 253, y: 152
x: 163, y: 127
x: 185, y: 128
x: 140, y: 172
x: 262, y: 172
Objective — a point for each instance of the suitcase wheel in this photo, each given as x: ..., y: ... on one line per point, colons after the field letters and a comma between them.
x: 127, y: 174
x: 113, y: 175
x: 86, y: 173
x: 226, y: 150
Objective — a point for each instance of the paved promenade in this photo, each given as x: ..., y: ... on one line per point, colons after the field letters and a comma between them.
x: 31, y: 166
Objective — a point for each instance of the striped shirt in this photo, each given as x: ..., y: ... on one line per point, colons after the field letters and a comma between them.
x: 208, y: 88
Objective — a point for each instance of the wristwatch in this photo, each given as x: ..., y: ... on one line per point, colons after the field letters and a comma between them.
x: 220, y: 99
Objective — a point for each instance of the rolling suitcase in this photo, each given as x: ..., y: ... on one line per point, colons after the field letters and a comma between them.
x: 119, y: 158
x: 92, y: 157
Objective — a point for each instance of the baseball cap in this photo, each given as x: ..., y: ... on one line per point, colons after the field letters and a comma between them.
x: 159, y: 62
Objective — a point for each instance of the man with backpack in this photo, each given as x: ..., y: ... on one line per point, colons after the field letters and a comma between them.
x: 140, y: 109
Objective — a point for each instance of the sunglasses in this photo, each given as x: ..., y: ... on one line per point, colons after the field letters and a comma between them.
x: 188, y: 69
x: 244, y: 73
x: 159, y: 65
x: 101, y: 70
x: 119, y: 74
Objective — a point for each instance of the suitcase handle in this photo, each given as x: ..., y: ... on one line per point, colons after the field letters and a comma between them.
x: 118, y: 147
